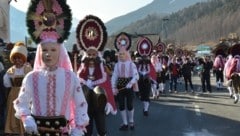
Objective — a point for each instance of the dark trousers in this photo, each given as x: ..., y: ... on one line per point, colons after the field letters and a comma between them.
x: 128, y: 95
x: 173, y: 81
x: 219, y: 75
x: 188, y: 79
x: 144, y: 85
x: 96, y: 113
x: 99, y: 118
x: 205, y: 79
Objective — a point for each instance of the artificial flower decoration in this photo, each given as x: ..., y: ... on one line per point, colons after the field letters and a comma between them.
x: 49, y: 19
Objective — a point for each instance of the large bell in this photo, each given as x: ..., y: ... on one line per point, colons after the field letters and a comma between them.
x: 100, y: 99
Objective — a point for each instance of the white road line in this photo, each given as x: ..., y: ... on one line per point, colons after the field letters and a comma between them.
x: 197, y: 110
x: 196, y: 107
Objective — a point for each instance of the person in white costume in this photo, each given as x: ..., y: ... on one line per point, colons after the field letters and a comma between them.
x: 51, y: 100
x: 124, y: 82
x: 51, y: 89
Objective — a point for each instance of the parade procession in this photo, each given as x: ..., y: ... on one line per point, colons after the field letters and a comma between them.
x: 81, y: 79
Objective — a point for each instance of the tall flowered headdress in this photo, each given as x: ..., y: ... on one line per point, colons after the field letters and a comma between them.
x: 123, y: 40
x: 144, y: 46
x: 91, y: 33
x: 49, y: 19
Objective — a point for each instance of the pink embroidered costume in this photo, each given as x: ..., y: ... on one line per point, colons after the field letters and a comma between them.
x: 92, y: 36
x: 51, y: 100
x: 124, y: 80
x: 160, y: 63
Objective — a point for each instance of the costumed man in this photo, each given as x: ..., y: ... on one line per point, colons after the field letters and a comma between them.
x: 233, y: 70
x: 92, y: 37
x: 159, y: 69
x: 124, y: 80
x: 146, y: 71
x: 13, y: 79
x: 51, y: 100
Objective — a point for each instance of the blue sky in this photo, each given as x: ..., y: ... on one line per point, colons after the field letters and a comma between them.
x: 104, y: 9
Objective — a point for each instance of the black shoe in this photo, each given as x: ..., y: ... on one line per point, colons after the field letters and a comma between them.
x: 123, y: 127
x: 131, y: 126
x: 145, y: 113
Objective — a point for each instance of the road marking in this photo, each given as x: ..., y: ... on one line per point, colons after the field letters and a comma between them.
x: 196, y: 107
x: 197, y: 110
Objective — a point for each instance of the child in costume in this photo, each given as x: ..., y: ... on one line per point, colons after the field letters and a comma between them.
x: 51, y: 101
x: 13, y: 79
x: 124, y: 81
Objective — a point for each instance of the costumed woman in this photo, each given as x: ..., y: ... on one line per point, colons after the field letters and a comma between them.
x: 13, y: 79
x: 124, y: 81
x: 159, y: 61
x: 92, y: 37
x: 51, y: 101
x: 146, y: 71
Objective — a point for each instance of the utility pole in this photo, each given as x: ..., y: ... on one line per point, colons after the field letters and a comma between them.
x: 164, y: 28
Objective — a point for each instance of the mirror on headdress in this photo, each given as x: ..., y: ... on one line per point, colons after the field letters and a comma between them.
x: 49, y: 19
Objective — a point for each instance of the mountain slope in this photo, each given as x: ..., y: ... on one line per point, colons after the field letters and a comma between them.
x: 159, y: 7
x: 204, y: 22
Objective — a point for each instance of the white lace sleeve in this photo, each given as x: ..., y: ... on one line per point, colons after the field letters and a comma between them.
x: 23, y: 101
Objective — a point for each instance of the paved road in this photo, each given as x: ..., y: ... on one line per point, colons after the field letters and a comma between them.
x: 184, y: 114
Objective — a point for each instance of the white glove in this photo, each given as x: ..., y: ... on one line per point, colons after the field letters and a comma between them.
x: 89, y: 84
x: 29, y: 125
x: 129, y: 85
x: 108, y: 108
x: 115, y: 91
x: 143, y: 73
x: 76, y: 132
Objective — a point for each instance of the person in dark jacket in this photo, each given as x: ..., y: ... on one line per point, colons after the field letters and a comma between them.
x: 205, y: 73
x: 186, y: 71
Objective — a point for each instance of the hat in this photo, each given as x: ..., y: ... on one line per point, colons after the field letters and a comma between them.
x: 49, y: 20
x: 122, y: 40
x: 144, y: 46
x: 20, y: 50
x: 160, y: 47
x: 91, y: 33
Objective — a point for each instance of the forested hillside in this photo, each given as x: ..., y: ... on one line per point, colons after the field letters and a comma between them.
x: 200, y: 23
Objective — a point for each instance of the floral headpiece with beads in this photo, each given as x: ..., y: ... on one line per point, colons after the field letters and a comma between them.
x: 49, y: 19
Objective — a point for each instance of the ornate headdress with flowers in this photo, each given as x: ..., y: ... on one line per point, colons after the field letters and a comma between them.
x: 123, y: 40
x: 144, y: 46
x: 49, y: 20
x: 91, y: 33
x: 160, y: 47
